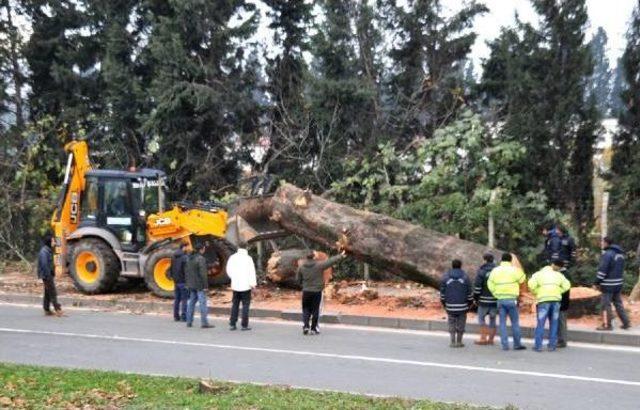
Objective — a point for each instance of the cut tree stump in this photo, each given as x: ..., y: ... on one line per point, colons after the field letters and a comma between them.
x: 407, y: 250
x: 584, y: 301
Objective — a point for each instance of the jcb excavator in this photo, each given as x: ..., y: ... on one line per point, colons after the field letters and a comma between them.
x: 111, y: 223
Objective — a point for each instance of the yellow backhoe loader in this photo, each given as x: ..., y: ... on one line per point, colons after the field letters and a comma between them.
x: 112, y: 223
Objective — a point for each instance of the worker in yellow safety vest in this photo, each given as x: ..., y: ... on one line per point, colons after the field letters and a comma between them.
x: 548, y: 285
x: 504, y: 283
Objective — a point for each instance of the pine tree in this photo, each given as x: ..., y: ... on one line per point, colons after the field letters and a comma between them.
x: 63, y: 61
x: 536, y: 78
x: 343, y: 91
x: 12, y: 70
x: 600, y: 83
x: 203, y: 91
x: 615, y: 103
x: 625, y: 183
x: 427, y: 59
x: 290, y: 142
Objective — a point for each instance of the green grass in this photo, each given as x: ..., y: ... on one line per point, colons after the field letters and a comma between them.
x: 44, y: 387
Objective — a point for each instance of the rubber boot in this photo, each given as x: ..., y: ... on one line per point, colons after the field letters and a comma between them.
x: 484, y: 334
x: 459, y: 339
x: 453, y: 339
x: 492, y: 334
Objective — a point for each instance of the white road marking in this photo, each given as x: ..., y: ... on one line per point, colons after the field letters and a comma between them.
x: 280, y: 322
x: 329, y: 356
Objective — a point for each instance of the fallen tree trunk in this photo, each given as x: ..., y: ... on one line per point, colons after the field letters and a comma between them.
x: 407, y: 250
x: 282, y: 266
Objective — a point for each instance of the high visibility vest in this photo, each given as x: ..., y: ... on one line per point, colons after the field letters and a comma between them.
x: 504, y: 281
x: 548, y: 285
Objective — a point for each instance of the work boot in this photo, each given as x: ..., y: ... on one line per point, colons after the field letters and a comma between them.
x: 452, y: 335
x: 626, y: 326
x: 604, y: 328
x: 484, y: 334
x: 492, y: 334
x: 305, y: 330
x: 459, y: 339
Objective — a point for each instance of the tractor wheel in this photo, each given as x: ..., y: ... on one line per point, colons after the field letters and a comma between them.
x: 156, y: 272
x: 219, y: 250
x: 93, y: 266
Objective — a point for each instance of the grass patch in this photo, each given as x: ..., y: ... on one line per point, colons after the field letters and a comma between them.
x: 44, y: 387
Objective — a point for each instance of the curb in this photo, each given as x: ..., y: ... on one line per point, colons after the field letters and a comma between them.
x: 575, y: 335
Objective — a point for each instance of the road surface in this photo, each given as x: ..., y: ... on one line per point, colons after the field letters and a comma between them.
x: 362, y: 360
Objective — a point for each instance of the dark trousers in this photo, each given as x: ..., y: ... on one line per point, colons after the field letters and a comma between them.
x: 245, y: 298
x: 180, y: 298
x: 607, y: 298
x: 457, y: 321
x: 311, y: 308
x: 50, y: 295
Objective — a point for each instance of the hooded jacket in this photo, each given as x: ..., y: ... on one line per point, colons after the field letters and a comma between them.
x: 456, y: 292
x: 178, y: 265
x: 552, y: 246
x: 242, y: 271
x: 611, y: 269
x: 196, y: 272
x: 45, y: 263
x: 481, y: 291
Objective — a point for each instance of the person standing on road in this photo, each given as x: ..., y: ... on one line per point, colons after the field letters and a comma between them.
x: 609, y: 279
x: 548, y: 285
x: 456, y: 295
x: 46, y: 272
x: 504, y: 283
x: 198, y: 284
x: 242, y: 271
x: 180, y: 291
x: 487, y: 303
x: 568, y: 258
x: 309, y: 275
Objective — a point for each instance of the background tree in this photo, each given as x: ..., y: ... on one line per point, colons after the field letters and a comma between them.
x: 599, y: 85
x: 428, y: 53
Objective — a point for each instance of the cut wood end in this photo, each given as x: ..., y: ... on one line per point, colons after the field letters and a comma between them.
x: 302, y: 201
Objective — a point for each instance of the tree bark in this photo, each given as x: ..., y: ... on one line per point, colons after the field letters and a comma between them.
x: 407, y: 250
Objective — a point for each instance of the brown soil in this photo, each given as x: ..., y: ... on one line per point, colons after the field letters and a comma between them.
x: 388, y: 299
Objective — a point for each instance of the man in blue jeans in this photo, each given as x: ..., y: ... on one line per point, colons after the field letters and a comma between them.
x: 548, y: 285
x: 504, y: 283
x: 198, y: 284
x: 180, y: 292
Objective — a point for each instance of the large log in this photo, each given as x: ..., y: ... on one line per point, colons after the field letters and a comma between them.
x: 407, y: 250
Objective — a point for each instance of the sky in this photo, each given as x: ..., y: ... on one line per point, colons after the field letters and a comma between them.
x: 612, y: 15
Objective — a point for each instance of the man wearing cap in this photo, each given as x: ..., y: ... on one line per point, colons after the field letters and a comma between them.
x: 548, y: 285
x: 309, y: 275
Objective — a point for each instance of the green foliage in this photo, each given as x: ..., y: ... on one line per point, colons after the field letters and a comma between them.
x: 451, y: 183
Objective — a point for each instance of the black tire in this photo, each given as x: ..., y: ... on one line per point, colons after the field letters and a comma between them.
x: 159, y: 282
x: 220, y: 250
x: 100, y: 273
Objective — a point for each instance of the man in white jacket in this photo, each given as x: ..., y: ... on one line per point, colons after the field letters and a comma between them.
x: 242, y: 272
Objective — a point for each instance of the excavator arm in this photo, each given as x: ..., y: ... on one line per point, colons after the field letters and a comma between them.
x: 66, y: 215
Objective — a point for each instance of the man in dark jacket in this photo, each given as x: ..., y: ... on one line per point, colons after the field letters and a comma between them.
x: 177, y: 273
x: 568, y: 258
x: 456, y: 295
x: 309, y: 275
x: 197, y: 282
x: 487, y: 303
x: 552, y: 244
x: 609, y: 279
x: 46, y: 272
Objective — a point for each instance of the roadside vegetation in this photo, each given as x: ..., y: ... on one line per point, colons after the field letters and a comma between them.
x: 42, y: 387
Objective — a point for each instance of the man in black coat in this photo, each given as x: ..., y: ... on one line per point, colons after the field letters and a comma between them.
x: 487, y: 303
x: 46, y: 272
x: 610, y: 279
x: 181, y: 293
x: 456, y: 295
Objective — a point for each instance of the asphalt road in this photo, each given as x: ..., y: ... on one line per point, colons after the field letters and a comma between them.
x: 363, y: 360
